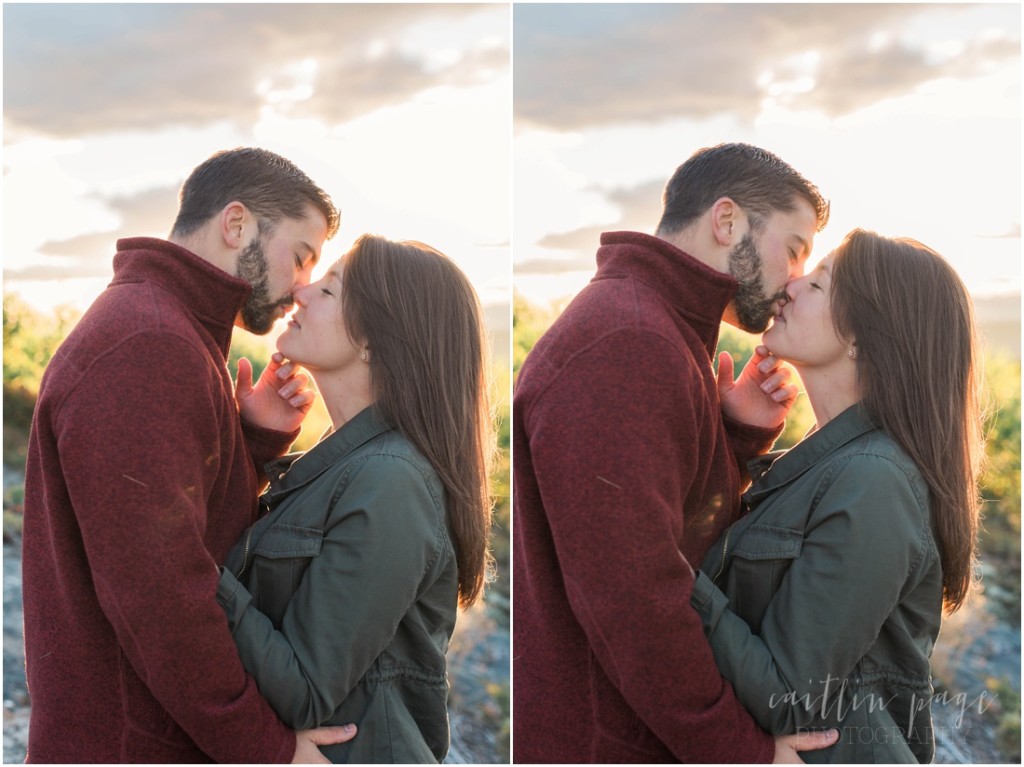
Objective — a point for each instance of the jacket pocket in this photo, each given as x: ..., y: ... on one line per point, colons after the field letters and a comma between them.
x: 761, y: 559
x: 280, y: 559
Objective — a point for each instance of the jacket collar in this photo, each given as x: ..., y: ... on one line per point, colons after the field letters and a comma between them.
x: 211, y: 295
x: 293, y: 471
x: 697, y: 292
x: 788, y: 466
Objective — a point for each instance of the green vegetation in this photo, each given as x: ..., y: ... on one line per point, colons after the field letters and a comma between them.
x: 1000, y: 538
x: 1000, y: 483
x: 30, y: 340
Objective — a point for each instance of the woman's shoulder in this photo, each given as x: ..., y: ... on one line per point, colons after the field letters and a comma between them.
x: 392, y: 451
x: 391, y: 460
x: 876, y: 476
x: 877, y: 455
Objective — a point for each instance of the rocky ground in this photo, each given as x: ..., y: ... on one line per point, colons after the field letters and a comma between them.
x: 976, y: 652
x: 976, y: 664
x: 479, y: 670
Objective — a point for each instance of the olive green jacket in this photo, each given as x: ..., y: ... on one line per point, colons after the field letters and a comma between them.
x: 832, y: 596
x: 343, y: 598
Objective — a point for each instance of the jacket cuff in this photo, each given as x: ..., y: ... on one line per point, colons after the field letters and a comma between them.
x: 267, y: 444
x: 232, y: 596
x: 708, y: 600
x: 750, y: 441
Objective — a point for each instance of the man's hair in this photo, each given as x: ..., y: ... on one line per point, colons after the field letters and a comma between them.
x: 754, y: 178
x: 421, y: 319
x: 919, y: 370
x: 270, y: 186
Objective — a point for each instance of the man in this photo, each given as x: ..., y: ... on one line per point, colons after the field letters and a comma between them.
x: 627, y: 470
x: 141, y: 475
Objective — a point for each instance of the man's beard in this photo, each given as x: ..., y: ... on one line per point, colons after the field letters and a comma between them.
x: 754, y: 309
x: 258, y: 312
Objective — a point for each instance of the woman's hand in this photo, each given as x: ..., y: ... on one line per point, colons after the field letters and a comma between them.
x: 306, y: 742
x: 761, y: 396
x: 279, y: 400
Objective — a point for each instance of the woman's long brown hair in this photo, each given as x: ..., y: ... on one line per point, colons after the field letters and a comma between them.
x: 919, y: 371
x: 421, y: 320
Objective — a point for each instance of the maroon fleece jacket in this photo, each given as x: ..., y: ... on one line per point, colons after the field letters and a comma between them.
x: 139, y: 479
x: 624, y: 471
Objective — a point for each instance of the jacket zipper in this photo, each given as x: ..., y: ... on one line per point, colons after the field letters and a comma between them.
x: 245, y: 554
x: 725, y: 547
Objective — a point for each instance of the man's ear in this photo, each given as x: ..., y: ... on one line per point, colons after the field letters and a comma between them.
x: 727, y: 221
x: 235, y: 220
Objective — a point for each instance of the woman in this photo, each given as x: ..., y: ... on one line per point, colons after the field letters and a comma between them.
x: 343, y: 598
x: 822, y: 605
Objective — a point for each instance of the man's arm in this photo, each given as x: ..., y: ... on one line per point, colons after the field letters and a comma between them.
x: 140, y: 462
x: 613, y: 444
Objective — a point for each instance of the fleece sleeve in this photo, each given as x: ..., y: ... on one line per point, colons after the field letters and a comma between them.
x: 264, y: 446
x: 136, y: 438
x: 612, y: 485
x: 748, y: 442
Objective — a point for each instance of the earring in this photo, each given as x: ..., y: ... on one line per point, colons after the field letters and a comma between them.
x: 851, y: 354
x: 362, y: 356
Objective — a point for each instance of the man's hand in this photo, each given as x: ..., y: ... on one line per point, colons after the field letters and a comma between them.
x: 787, y: 746
x: 306, y: 742
x: 761, y: 395
x: 279, y: 400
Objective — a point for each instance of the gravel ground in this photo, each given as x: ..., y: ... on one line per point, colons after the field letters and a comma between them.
x: 478, y: 667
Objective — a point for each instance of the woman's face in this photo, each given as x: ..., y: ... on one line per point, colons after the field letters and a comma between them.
x: 316, y: 336
x: 803, y: 333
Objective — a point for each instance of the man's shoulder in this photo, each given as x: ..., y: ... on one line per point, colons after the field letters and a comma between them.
x: 613, y: 305
x: 130, y: 310
x: 119, y: 334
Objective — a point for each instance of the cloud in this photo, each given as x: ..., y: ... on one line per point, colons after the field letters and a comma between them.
x: 1013, y: 233
x: 640, y: 209
x: 589, y: 65
x: 557, y: 265
x: 149, y: 213
x: 74, y: 69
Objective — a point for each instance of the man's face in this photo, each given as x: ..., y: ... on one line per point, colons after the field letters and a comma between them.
x: 277, y: 264
x: 766, y: 258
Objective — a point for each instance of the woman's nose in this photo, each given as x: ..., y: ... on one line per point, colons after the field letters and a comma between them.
x: 301, y: 294
x: 793, y: 287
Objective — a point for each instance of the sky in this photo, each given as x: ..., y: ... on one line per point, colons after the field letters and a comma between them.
x: 907, y: 117
x: 401, y: 113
